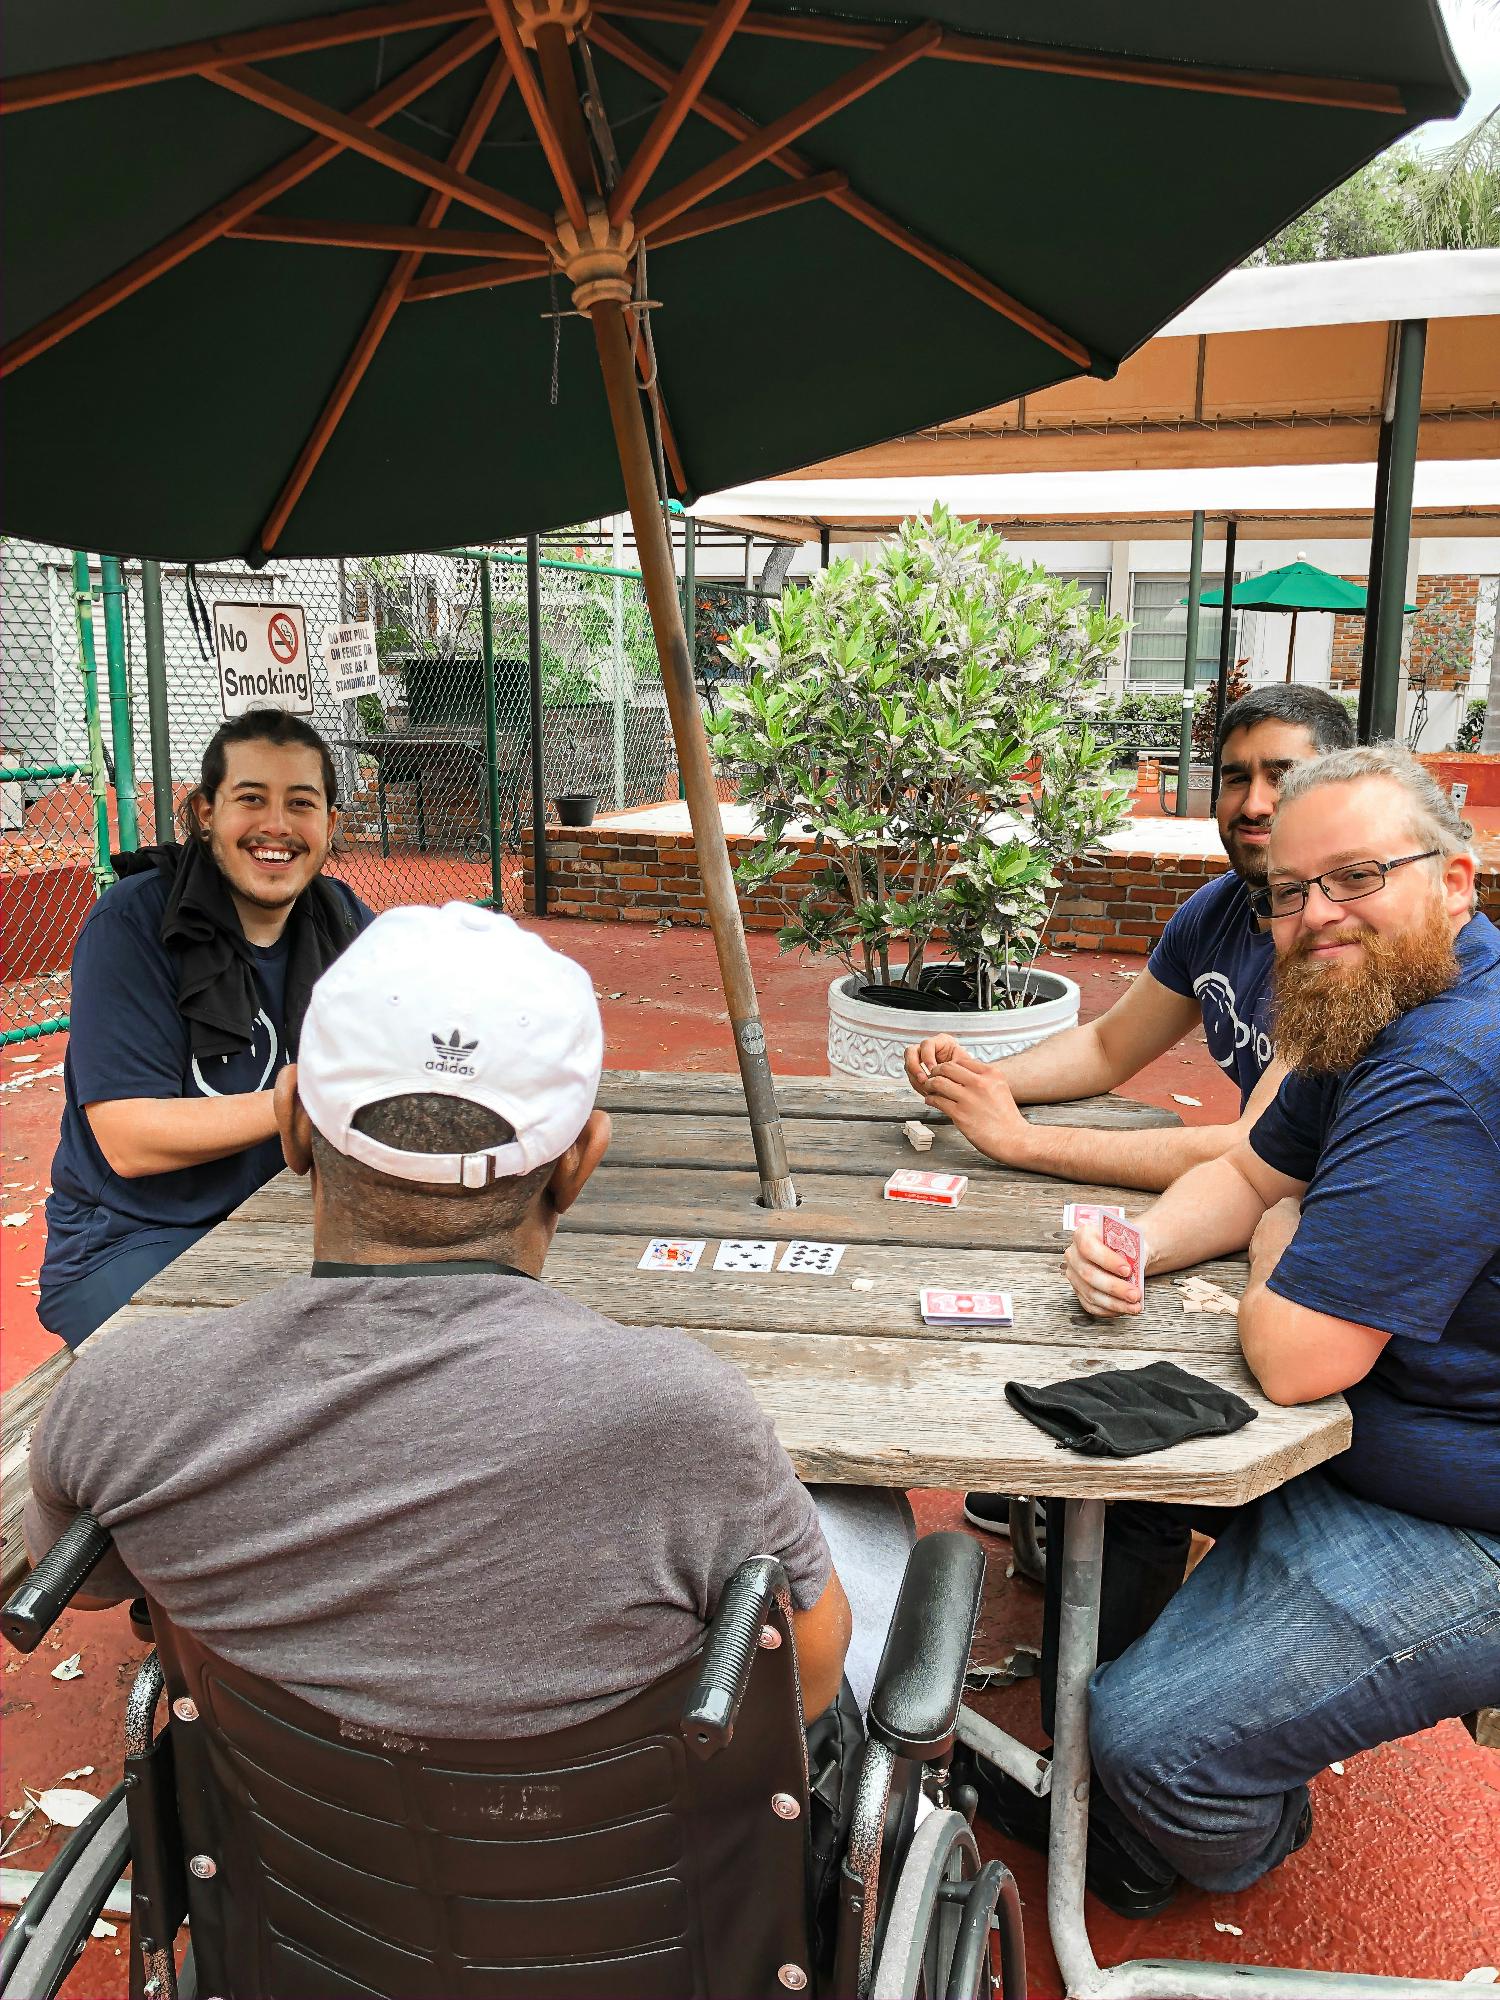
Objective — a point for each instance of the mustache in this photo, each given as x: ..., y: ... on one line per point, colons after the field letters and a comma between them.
x: 1356, y: 934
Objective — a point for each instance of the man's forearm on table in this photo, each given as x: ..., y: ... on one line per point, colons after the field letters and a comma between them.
x: 1072, y: 1064
x: 1147, y: 1160
x: 1208, y: 1213
x: 159, y: 1135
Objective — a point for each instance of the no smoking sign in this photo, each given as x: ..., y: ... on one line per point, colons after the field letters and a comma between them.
x: 263, y: 661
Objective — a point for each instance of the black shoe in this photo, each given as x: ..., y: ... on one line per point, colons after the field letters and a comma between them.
x: 1121, y: 1882
x: 989, y: 1511
x: 1304, y: 1829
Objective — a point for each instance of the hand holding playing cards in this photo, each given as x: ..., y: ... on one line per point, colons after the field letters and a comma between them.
x: 1106, y: 1280
x: 975, y: 1096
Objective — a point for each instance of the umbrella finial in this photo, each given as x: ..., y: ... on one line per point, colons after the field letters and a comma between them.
x: 569, y: 15
x: 597, y: 257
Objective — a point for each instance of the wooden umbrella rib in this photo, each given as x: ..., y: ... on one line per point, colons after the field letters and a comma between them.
x: 718, y: 27
x: 393, y: 153
x: 465, y: 146
x: 289, y: 38
x: 477, y: 278
x: 217, y: 221
x: 1336, y: 93
x: 749, y: 208
x: 625, y: 50
x: 529, y: 85
x: 384, y: 236
x: 766, y: 140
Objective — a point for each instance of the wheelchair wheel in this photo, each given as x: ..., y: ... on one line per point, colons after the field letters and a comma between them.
x: 926, y: 1916
x: 62, y: 1929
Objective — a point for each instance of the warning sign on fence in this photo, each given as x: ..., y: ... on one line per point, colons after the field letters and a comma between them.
x: 263, y: 660
x: 350, y: 657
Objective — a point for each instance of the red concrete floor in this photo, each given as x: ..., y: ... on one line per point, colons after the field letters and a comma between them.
x: 1401, y: 1873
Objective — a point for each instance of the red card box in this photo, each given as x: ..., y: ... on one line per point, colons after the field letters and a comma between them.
x: 938, y: 1190
x: 945, y: 1307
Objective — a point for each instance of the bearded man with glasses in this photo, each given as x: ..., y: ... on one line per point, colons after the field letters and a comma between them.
x: 1361, y: 1601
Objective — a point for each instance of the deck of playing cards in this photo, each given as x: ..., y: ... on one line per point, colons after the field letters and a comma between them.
x: 947, y: 1308
x: 938, y: 1190
x: 1088, y: 1214
x: 1126, y: 1240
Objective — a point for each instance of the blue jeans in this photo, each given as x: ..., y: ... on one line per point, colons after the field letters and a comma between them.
x: 1318, y: 1625
x: 74, y: 1311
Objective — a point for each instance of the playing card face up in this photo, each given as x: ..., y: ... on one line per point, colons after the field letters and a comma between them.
x: 938, y: 1190
x: 1125, y: 1239
x: 739, y: 1253
x: 817, y: 1260
x: 1088, y: 1214
x: 671, y: 1253
x: 949, y: 1308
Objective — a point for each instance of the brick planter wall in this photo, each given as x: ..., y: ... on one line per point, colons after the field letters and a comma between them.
x: 614, y: 874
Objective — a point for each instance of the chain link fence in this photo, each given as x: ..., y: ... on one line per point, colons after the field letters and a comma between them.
x: 429, y: 812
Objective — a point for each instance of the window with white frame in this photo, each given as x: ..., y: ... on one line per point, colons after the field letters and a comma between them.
x: 1158, y: 633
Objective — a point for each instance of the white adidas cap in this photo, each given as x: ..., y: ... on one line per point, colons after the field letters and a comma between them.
x: 461, y: 1003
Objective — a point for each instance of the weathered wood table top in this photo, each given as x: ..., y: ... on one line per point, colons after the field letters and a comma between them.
x: 859, y: 1389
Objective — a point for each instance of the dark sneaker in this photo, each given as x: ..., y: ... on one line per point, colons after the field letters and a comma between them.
x: 1120, y: 1881
x: 989, y: 1511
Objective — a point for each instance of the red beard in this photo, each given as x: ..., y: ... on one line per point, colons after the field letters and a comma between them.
x: 1326, y: 1016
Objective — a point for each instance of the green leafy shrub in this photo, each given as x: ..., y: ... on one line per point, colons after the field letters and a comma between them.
x: 1471, y: 729
x: 926, y: 716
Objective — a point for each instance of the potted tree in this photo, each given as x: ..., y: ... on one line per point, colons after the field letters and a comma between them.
x: 924, y: 717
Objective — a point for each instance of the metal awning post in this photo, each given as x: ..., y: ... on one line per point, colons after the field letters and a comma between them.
x: 534, y: 703
x: 1190, y: 666
x: 1226, y: 635
x: 156, y: 699
x: 1381, y: 679
x: 121, y: 726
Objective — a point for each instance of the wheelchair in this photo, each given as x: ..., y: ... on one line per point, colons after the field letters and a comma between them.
x: 664, y: 1848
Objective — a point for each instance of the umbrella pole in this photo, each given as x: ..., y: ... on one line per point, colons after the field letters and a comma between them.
x: 653, y: 551
x: 1290, y: 646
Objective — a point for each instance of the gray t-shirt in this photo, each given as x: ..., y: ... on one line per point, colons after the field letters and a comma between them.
x: 462, y: 1502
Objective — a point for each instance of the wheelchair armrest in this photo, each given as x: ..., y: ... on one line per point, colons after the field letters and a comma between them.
x: 35, y: 1604
x: 919, y: 1687
x: 729, y: 1653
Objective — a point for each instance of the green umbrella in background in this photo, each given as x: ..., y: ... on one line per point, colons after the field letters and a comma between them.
x: 373, y: 277
x: 1296, y: 586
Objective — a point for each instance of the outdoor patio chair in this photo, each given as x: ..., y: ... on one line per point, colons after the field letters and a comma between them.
x: 660, y: 1849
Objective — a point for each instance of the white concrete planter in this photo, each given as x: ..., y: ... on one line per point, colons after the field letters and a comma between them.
x: 866, y: 1043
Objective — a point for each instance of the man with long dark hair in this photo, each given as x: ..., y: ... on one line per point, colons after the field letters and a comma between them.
x: 190, y: 979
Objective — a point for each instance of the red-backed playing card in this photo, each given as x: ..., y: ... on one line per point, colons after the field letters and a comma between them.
x: 1125, y: 1238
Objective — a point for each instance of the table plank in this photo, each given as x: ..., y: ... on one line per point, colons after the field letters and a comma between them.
x: 242, y: 1258
x: 870, y: 1412
x: 813, y: 1145
x: 702, y: 1094
x: 1020, y: 1213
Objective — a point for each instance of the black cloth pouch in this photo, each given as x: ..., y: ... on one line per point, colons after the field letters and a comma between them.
x: 1122, y: 1412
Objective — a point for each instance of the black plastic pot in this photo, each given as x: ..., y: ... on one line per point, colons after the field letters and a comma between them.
x: 576, y: 808
x: 951, y: 989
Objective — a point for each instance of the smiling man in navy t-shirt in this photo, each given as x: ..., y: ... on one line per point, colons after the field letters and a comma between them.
x: 190, y: 978
x: 1212, y: 965
x: 1361, y: 1601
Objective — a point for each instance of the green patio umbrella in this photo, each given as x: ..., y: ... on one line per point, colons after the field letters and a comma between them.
x: 1296, y: 586
x: 305, y: 284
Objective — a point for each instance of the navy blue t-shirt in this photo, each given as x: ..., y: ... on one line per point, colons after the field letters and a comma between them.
x: 127, y: 1039
x: 1400, y: 1231
x: 1213, y: 951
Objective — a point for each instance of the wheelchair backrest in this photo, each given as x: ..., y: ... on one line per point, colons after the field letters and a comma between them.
x: 327, y: 1859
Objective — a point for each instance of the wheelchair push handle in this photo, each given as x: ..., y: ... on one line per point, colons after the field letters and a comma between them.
x: 729, y: 1653
x: 34, y: 1606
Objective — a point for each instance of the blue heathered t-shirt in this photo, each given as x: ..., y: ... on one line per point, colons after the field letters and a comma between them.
x: 127, y: 1039
x: 1400, y: 1231
x: 1213, y: 951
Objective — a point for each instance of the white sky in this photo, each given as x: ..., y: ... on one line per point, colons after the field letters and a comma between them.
x: 1474, y: 30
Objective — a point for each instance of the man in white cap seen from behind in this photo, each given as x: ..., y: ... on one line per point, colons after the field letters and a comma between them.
x: 420, y: 1487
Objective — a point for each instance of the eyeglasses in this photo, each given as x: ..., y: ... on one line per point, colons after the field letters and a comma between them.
x: 1339, y: 885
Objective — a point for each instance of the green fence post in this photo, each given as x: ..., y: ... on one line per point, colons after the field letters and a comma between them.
x: 121, y: 728
x: 491, y: 734
x: 1386, y: 607
x: 156, y: 699
x: 83, y: 612
x: 617, y: 659
x: 538, y: 746
x: 1190, y: 667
